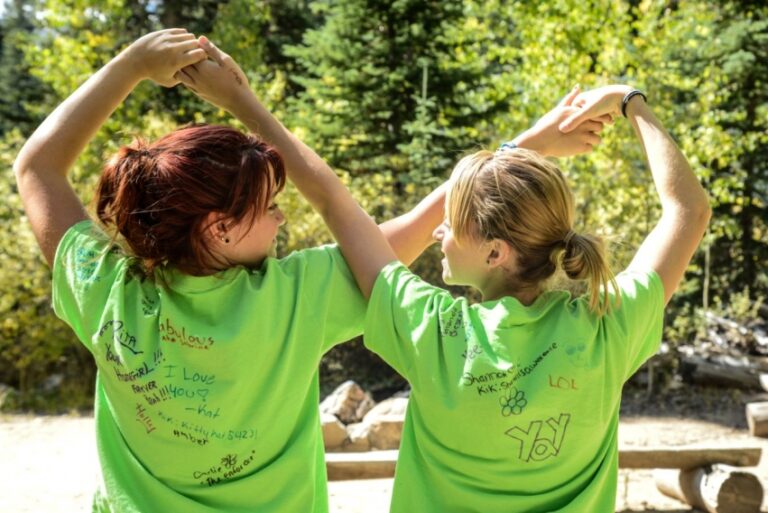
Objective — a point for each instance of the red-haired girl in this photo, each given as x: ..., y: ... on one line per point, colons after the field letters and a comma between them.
x: 206, y: 346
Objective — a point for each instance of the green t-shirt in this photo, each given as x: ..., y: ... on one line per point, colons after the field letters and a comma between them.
x: 207, y: 389
x: 512, y: 408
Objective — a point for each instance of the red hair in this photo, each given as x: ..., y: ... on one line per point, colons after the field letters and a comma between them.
x: 158, y: 195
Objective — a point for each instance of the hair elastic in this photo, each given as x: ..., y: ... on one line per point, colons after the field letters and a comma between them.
x: 509, y: 145
x: 629, y: 96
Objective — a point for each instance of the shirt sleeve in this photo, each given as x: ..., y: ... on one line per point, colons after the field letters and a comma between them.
x: 403, y: 321
x: 639, y: 319
x: 85, y: 268
x: 329, y: 295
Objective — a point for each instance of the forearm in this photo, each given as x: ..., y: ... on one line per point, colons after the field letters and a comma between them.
x: 678, y: 188
x: 314, y: 178
x: 59, y: 140
x: 411, y: 233
x: 669, y: 247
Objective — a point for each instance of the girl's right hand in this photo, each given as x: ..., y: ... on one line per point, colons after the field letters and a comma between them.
x: 603, y: 101
x: 159, y: 55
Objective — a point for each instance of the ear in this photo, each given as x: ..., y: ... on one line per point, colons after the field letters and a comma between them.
x: 500, y: 253
x: 215, y: 227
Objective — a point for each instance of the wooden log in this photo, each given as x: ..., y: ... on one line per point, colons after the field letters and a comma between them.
x: 720, y: 370
x: 757, y: 418
x: 714, y: 489
x: 687, y: 457
x: 343, y: 466
x: 380, y: 464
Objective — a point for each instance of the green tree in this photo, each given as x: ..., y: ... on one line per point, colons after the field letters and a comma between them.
x: 378, y: 75
x: 19, y: 90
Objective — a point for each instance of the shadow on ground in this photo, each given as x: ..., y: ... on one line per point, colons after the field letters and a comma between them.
x: 723, y: 406
x: 658, y: 511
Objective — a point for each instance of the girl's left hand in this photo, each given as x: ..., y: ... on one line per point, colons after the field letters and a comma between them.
x: 219, y: 80
x: 159, y: 55
x: 546, y: 138
x: 603, y: 101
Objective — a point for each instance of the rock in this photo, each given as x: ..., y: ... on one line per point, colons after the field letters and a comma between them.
x: 334, y: 432
x: 403, y: 393
x: 348, y: 402
x: 391, y: 406
x: 357, y: 438
x: 385, y: 431
x: 382, y: 427
x: 52, y: 383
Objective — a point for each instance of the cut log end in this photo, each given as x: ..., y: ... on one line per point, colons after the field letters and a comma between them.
x: 757, y: 418
x: 715, y: 489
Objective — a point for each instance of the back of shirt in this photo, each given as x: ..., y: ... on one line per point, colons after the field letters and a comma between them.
x: 512, y: 408
x: 207, y: 394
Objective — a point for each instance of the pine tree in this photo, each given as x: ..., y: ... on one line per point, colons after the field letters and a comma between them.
x: 740, y: 51
x: 366, y: 104
x: 19, y: 90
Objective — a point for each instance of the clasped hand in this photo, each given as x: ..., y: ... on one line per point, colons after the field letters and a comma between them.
x: 159, y: 55
x: 174, y: 56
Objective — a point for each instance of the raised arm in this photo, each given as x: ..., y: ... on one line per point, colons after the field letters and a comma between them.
x: 42, y: 165
x: 223, y: 83
x: 669, y: 247
x: 411, y: 233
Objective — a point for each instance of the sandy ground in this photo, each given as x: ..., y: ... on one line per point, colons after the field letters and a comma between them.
x: 48, y: 464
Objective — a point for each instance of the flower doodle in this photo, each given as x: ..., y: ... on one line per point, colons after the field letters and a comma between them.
x: 513, y: 403
x: 229, y: 461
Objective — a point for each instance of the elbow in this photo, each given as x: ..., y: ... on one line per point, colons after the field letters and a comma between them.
x: 706, y: 213
x: 20, y: 169
x: 691, y: 217
x: 19, y: 166
x: 23, y: 164
x: 702, y: 213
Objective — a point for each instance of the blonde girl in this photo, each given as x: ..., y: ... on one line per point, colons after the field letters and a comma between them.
x: 515, y: 400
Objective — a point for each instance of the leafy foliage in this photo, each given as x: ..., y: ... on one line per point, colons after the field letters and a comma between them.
x: 392, y: 94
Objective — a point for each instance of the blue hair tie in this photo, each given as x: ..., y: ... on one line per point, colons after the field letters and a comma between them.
x: 509, y: 145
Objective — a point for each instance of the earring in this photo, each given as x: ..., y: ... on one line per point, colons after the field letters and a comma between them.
x: 223, y: 238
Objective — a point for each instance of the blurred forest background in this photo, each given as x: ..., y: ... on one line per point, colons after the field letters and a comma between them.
x: 392, y: 93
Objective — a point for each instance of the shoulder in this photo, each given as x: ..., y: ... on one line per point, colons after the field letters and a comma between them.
x: 320, y: 265
x: 397, y: 283
x: 639, y: 288
x: 328, y: 255
x: 85, y: 251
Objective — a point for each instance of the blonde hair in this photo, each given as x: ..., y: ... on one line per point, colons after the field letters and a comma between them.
x: 522, y: 198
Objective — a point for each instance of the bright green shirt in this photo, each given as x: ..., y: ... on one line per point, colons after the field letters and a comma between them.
x: 207, y: 388
x: 512, y: 408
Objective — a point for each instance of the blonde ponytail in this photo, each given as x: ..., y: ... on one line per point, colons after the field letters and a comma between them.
x: 584, y: 258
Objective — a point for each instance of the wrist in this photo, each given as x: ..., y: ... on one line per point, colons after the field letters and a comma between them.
x: 242, y: 103
x: 634, y: 107
x: 528, y: 140
x: 126, y: 64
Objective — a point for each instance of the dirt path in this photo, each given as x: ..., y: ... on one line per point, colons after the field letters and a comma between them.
x: 48, y: 464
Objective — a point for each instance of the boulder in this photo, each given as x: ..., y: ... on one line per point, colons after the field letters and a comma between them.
x: 391, y: 406
x: 385, y: 431
x: 334, y: 432
x: 349, y: 403
x: 357, y: 438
